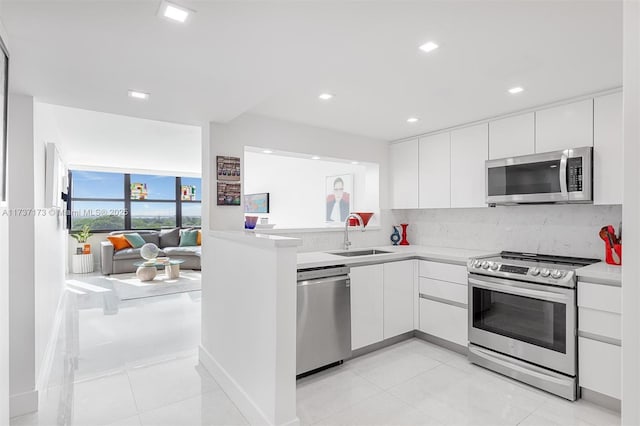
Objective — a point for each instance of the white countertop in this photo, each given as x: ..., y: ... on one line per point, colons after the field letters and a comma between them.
x: 439, y: 254
x: 601, y: 272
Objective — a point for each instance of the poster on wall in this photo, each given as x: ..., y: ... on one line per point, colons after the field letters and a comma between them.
x: 4, y: 85
x: 228, y: 168
x: 339, y: 195
x: 188, y: 193
x: 228, y: 194
x: 256, y: 203
x: 139, y: 191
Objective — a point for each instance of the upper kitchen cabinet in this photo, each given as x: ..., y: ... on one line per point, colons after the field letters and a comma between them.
x: 512, y: 136
x: 469, y: 151
x: 607, y: 149
x: 565, y: 126
x: 434, y: 171
x: 404, y: 174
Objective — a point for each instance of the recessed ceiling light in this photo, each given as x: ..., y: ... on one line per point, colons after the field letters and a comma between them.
x: 325, y: 96
x: 267, y: 151
x: 429, y: 47
x: 412, y: 120
x: 515, y: 90
x: 315, y: 157
x: 138, y: 95
x: 174, y: 12
x: 355, y: 162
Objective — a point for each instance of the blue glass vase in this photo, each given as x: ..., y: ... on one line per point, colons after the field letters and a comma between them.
x: 395, y: 236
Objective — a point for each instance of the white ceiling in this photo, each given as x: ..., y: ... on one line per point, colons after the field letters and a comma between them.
x: 109, y: 141
x: 274, y: 58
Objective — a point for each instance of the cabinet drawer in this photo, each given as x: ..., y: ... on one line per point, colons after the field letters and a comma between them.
x: 600, y: 367
x: 601, y: 297
x: 602, y: 323
x: 447, y: 322
x: 443, y: 272
x: 444, y: 290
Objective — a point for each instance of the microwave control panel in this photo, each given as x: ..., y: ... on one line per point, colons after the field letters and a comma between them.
x: 574, y: 174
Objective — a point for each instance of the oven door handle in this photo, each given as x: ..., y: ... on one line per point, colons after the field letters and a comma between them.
x: 508, y: 287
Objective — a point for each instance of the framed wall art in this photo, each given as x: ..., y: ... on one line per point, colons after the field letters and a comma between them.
x: 228, y: 168
x: 228, y: 194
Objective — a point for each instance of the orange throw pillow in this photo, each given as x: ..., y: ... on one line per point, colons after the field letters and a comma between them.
x: 199, y: 238
x: 119, y: 242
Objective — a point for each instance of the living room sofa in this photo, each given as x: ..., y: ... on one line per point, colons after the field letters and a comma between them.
x: 121, y: 261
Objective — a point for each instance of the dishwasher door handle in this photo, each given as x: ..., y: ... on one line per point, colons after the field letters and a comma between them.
x: 327, y: 280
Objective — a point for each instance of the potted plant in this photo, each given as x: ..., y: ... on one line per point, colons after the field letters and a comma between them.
x: 82, y: 237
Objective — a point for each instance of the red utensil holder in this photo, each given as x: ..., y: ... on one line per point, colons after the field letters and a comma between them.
x: 609, y: 258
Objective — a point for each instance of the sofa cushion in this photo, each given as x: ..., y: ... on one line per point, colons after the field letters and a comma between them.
x: 152, y: 237
x: 135, y: 239
x: 170, y: 237
x: 183, y: 251
x: 189, y: 238
x: 199, y: 239
x: 119, y: 242
x: 131, y: 253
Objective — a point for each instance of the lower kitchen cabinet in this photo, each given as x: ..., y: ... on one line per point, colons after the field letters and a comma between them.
x: 600, y: 367
x: 367, y: 295
x: 443, y: 320
x: 398, y: 298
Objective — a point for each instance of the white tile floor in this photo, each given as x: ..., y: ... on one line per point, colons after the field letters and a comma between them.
x: 136, y: 364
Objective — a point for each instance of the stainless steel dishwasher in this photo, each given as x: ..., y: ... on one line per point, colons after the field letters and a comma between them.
x: 324, y: 317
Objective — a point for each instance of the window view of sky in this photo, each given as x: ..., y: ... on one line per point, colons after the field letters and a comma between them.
x: 97, y: 185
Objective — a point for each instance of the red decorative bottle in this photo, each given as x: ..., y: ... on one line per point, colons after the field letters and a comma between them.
x: 404, y: 241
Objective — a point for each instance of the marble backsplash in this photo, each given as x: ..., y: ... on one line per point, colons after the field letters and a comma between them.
x: 567, y: 230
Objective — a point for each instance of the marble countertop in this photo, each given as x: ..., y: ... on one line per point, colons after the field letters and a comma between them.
x: 439, y: 254
x: 601, y: 272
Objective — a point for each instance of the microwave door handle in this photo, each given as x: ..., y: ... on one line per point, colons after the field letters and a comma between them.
x: 563, y: 175
x: 519, y: 291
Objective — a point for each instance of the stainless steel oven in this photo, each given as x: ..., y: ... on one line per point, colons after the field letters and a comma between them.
x: 523, y: 318
x: 552, y: 177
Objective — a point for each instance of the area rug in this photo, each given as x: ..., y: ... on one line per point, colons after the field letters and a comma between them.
x: 128, y: 287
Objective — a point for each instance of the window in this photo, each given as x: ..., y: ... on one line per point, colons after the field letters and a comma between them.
x: 113, y: 201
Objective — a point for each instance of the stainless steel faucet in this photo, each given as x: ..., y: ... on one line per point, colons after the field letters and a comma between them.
x: 357, y: 217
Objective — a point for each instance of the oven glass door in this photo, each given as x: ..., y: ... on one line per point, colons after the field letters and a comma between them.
x: 532, y: 322
x: 538, y: 322
x: 541, y: 177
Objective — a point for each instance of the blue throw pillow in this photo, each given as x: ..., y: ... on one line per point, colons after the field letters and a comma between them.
x: 135, y: 239
x: 189, y: 238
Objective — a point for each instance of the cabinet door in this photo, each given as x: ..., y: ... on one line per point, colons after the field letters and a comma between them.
x: 404, y: 175
x: 434, y: 172
x: 398, y: 298
x: 469, y: 151
x: 512, y: 136
x: 565, y: 126
x: 600, y: 367
x: 445, y: 321
x: 366, y: 305
x: 608, y: 173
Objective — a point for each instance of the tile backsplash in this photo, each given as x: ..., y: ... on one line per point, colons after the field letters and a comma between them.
x: 567, y: 230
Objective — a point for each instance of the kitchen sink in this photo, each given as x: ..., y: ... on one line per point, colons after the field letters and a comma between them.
x: 361, y: 253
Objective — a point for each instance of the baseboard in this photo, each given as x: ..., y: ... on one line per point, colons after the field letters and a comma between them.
x: 463, y: 350
x: 236, y: 393
x: 380, y: 345
x: 23, y: 403
x: 600, y: 399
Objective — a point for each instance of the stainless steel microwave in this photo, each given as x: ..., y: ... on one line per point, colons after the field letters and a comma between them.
x: 550, y: 177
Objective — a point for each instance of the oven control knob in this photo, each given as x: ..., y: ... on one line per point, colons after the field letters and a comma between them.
x: 535, y: 271
x: 545, y: 272
x: 495, y: 266
x: 477, y: 263
x: 557, y: 274
x: 485, y: 264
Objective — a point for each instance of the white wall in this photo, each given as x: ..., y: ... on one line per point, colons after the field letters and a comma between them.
x: 297, y: 187
x: 569, y: 230
x: 631, y: 213
x: 22, y: 261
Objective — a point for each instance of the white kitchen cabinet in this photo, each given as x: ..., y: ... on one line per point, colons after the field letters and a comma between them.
x: 404, y: 174
x: 565, y: 126
x: 600, y: 367
x: 469, y: 151
x: 512, y: 136
x: 443, y: 271
x: 434, y: 171
x: 443, y: 320
x: 398, y: 298
x: 367, y: 305
x: 608, y: 173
